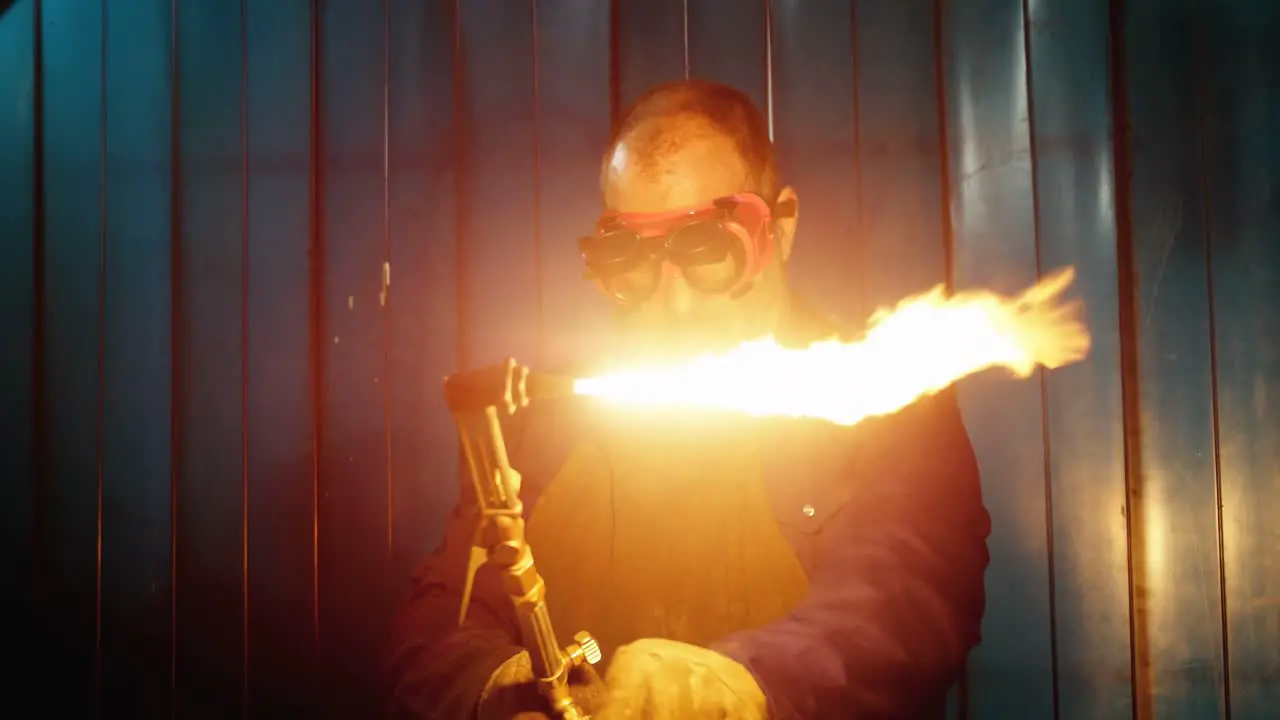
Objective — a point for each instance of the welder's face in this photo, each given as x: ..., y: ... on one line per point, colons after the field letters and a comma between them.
x: 679, y: 318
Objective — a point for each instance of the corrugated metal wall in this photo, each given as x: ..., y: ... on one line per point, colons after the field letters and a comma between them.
x: 242, y: 241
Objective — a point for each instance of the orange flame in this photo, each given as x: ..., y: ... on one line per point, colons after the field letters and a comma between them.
x: 921, y: 346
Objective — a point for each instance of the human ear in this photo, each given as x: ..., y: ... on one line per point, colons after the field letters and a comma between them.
x: 784, y: 226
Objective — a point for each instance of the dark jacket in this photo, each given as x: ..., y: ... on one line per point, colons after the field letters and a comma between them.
x: 886, y: 519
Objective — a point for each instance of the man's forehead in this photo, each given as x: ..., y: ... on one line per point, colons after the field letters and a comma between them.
x: 671, y: 172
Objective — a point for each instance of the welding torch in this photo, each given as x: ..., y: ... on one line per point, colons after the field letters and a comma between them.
x: 478, y: 399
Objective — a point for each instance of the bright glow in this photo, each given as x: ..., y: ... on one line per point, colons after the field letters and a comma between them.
x: 619, y: 160
x: 918, y: 348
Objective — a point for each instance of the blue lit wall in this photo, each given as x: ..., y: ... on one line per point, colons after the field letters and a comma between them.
x: 240, y: 242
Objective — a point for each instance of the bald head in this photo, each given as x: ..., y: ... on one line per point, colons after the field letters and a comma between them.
x: 686, y: 134
x: 673, y: 162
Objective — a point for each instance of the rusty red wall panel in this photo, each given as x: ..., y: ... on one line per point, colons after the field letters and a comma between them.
x: 1176, y: 580
x: 281, y: 500
x: 1238, y: 70
x: 1069, y: 101
x: 814, y: 133
x: 138, y: 423
x: 994, y: 235
x: 209, y: 607
x: 352, y: 505
x: 71, y: 393
x: 18, y: 297
x: 573, y: 128
x: 423, y: 292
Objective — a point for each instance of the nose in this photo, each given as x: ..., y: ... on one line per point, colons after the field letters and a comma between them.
x: 677, y: 296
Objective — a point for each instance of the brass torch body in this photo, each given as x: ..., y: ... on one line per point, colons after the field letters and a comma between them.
x: 482, y: 395
x: 527, y: 591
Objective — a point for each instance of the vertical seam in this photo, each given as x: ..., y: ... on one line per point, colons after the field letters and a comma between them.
x: 615, y: 89
x: 1042, y: 374
x: 540, y: 344
x: 39, y: 447
x: 948, y: 235
x: 768, y: 64
x: 858, y: 249
x: 244, y: 358
x: 385, y: 307
x: 315, y: 298
x: 461, y: 175
x: 940, y: 93
x: 100, y: 439
x: 1129, y: 361
x: 1200, y: 109
x: 684, y: 13
x: 177, y: 366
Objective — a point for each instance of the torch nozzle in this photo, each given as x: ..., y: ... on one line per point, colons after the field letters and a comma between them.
x: 508, y: 386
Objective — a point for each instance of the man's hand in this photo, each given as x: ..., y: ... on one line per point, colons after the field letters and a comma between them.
x: 512, y: 693
x: 666, y: 680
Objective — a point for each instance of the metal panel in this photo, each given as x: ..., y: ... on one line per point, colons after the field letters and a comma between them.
x: 281, y: 494
x: 18, y: 132
x: 814, y: 136
x: 138, y: 423
x: 728, y: 43
x: 71, y: 392
x: 1070, y: 100
x: 651, y: 46
x: 573, y: 129
x: 465, y: 159
x: 901, y: 202
x: 422, y: 294
x: 209, y: 589
x: 498, y: 239
x: 993, y: 220
x: 352, y: 506
x: 1177, y: 590
x: 1240, y: 131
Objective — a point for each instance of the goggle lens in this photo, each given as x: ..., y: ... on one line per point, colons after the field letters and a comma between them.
x: 711, y: 257
x: 636, y: 284
x: 713, y: 247
x: 614, y: 252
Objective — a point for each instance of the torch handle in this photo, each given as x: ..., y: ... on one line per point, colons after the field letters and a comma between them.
x: 500, y: 539
x: 551, y: 663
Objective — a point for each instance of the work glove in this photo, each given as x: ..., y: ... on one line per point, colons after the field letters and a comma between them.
x: 512, y: 693
x: 666, y: 680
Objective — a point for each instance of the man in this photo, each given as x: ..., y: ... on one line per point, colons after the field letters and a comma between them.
x: 729, y: 567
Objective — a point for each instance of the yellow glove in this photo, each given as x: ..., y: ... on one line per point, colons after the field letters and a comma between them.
x: 512, y: 694
x: 665, y: 680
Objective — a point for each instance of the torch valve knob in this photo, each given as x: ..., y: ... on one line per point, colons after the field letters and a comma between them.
x: 585, y: 649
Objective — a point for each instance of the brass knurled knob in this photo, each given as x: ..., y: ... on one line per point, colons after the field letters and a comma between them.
x: 590, y: 648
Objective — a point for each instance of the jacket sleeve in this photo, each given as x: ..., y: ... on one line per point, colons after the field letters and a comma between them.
x: 436, y: 668
x: 896, y: 585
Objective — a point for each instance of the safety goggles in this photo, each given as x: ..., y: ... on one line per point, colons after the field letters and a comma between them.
x: 718, y: 248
